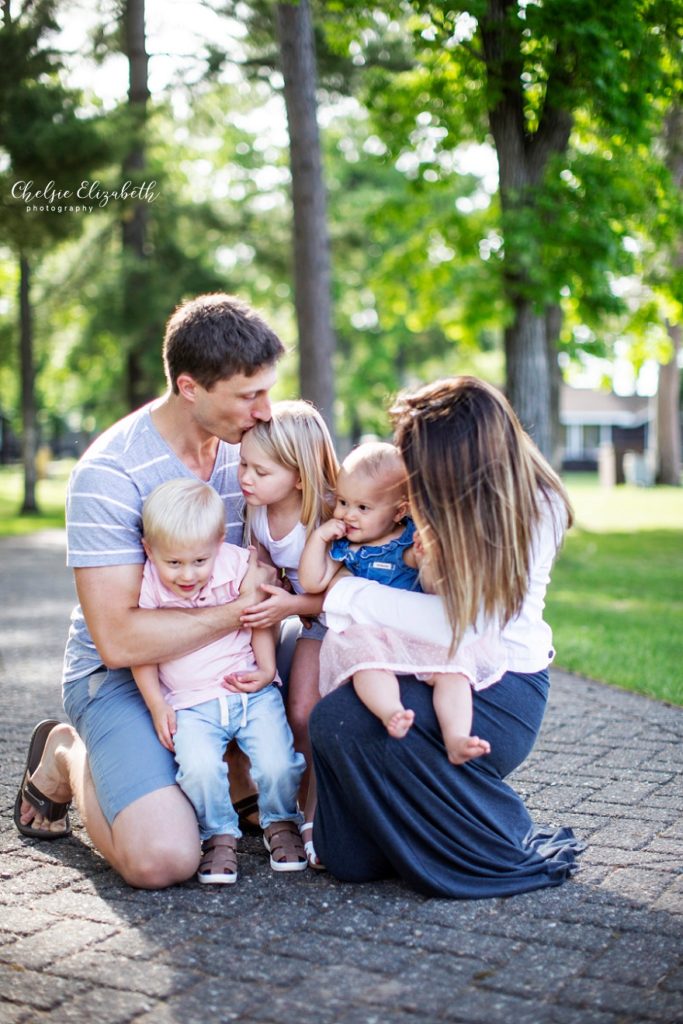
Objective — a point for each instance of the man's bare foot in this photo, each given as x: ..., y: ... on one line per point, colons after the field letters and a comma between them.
x: 399, y: 723
x: 51, y: 778
x: 461, y: 749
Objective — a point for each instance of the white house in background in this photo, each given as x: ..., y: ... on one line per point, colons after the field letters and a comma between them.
x: 592, y: 418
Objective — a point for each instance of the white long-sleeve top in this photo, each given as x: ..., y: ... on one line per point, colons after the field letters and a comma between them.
x: 527, y: 638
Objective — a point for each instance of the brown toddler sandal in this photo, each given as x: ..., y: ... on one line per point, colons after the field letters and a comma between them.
x: 284, y: 844
x: 218, y: 865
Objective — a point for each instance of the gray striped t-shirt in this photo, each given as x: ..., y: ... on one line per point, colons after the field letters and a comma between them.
x: 104, y: 508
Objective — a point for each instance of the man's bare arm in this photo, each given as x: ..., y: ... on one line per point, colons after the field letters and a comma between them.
x: 127, y: 635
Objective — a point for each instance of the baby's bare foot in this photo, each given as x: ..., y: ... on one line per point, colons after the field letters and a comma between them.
x: 399, y: 723
x: 461, y: 749
x: 50, y: 777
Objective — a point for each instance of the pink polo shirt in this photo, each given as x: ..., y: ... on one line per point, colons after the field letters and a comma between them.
x: 195, y: 678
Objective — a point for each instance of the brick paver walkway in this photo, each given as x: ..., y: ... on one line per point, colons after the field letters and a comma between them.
x: 76, y: 944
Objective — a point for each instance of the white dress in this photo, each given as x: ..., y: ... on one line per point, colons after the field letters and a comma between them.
x: 481, y: 657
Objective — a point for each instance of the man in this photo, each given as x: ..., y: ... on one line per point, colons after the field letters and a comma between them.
x: 220, y: 362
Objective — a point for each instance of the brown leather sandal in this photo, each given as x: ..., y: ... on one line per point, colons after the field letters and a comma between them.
x: 218, y: 865
x: 284, y: 844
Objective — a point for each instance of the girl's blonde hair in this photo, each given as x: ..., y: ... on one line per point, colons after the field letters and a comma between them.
x: 296, y: 436
x: 184, y: 512
x: 476, y: 484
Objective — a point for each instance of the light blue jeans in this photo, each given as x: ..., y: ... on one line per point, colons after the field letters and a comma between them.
x: 260, y: 727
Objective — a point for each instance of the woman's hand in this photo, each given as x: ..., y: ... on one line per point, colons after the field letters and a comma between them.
x: 270, y: 612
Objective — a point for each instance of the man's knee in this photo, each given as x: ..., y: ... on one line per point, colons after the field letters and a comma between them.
x: 159, y: 863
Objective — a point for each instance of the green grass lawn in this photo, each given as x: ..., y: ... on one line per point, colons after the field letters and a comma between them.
x: 616, y: 598
x: 49, y: 498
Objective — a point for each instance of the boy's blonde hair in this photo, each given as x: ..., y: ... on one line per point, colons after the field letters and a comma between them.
x: 477, y: 486
x: 183, y: 511
x: 381, y: 462
x: 296, y: 436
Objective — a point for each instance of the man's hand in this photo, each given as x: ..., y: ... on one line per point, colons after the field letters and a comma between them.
x: 247, y: 682
x: 256, y: 576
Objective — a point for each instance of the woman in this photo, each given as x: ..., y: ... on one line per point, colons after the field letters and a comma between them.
x: 491, y: 513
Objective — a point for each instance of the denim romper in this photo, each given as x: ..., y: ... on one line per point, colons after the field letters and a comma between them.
x: 382, y: 563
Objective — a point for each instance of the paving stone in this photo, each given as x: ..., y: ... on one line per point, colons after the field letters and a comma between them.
x: 56, y: 942
x: 638, y: 883
x: 99, y: 967
x: 527, y: 973
x: 633, y: 834
x: 671, y: 899
x: 634, y: 858
x: 27, y: 988
x: 643, y: 960
x: 634, y: 1004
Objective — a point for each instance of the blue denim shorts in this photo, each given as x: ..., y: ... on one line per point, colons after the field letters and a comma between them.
x: 126, y: 759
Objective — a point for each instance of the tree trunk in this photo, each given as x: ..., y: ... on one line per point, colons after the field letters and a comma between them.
x: 522, y: 161
x: 135, y: 214
x: 669, y: 389
x: 553, y: 326
x: 311, y: 245
x: 29, y: 445
x: 669, y: 416
x: 528, y: 374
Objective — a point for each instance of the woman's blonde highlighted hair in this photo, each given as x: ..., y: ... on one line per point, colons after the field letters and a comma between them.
x: 476, y: 484
x: 183, y: 511
x: 296, y: 436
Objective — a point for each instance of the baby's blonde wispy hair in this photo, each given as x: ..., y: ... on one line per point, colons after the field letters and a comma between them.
x: 183, y: 511
x: 296, y: 436
x: 382, y: 463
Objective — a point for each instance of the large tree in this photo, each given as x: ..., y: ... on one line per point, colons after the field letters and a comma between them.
x: 49, y: 147
x: 535, y: 79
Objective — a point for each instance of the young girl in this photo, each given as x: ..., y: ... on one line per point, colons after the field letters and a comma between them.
x: 288, y: 471
x: 372, y: 537
x: 190, y: 566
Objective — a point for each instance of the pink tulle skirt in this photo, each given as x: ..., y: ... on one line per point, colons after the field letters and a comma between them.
x: 482, y: 659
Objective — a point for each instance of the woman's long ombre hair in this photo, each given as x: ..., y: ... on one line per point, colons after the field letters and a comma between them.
x: 476, y: 484
x: 297, y: 437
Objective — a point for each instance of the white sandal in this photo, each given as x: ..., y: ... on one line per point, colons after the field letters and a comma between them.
x: 311, y: 855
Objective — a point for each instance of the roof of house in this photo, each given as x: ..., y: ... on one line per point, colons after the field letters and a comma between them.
x: 583, y: 405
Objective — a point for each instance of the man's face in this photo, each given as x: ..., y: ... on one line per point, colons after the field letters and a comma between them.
x: 234, y: 404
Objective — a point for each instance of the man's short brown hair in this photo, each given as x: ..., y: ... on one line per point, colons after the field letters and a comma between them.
x: 214, y: 337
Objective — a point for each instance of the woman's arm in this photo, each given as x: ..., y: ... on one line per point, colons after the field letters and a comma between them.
x: 350, y: 599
